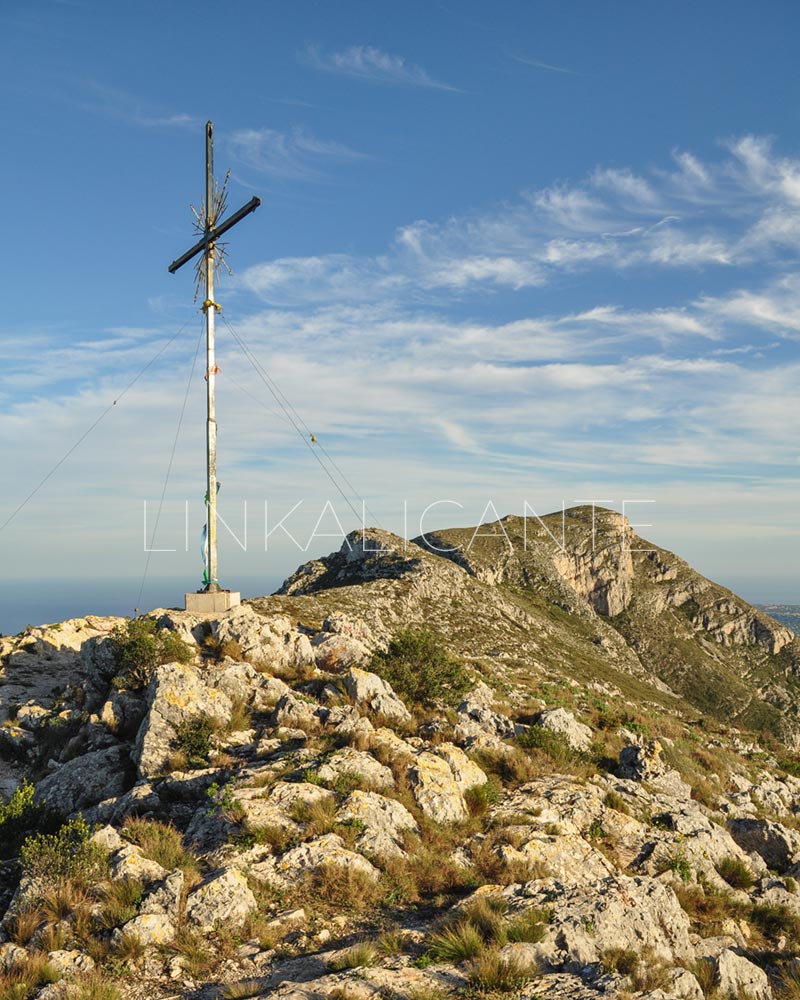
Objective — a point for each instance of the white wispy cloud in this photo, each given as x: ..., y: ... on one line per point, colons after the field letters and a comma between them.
x: 692, y: 215
x: 538, y: 64
x: 100, y: 98
x: 365, y: 62
x: 293, y: 155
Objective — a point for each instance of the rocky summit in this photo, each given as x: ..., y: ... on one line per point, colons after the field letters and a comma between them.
x: 536, y: 758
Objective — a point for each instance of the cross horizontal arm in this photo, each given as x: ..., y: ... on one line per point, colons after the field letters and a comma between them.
x: 214, y: 234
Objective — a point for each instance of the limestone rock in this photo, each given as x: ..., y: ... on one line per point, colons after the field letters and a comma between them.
x: 165, y: 897
x: 11, y: 955
x: 477, y: 718
x: 224, y: 900
x: 559, y: 720
x: 339, y: 652
x: 273, y: 642
x: 286, y: 794
x: 436, y: 790
x: 737, y: 977
x: 684, y: 985
x: 108, y: 838
x: 129, y: 862
x: 70, y: 963
x: 778, y: 845
x: 385, y: 822
x: 123, y: 712
x: 86, y: 780
x: 355, y: 762
x: 614, y: 912
x: 295, y: 713
x: 466, y: 772
x: 645, y: 763
x: 326, y: 850
x: 175, y: 694
x: 149, y: 928
x: 371, y: 692
x: 243, y: 683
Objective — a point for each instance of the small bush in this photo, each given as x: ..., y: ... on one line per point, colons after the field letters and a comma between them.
x: 139, y: 646
x: 191, y: 946
x: 788, y: 984
x: 419, y: 668
x: 25, y: 978
x: 129, y: 947
x: 193, y: 739
x: 61, y: 901
x: 596, y: 830
x: 679, y: 864
x: 736, y: 873
x: 340, y: 888
x: 95, y: 987
x: 18, y: 817
x: 317, y: 817
x: 22, y: 925
x: 486, y: 914
x: 510, y: 765
x: 391, y: 942
x: 493, y: 971
x: 65, y: 856
x: 708, y: 908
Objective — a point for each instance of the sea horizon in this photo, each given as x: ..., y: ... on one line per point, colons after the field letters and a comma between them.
x: 43, y: 602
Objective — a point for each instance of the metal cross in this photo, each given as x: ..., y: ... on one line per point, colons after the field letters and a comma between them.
x: 207, y: 246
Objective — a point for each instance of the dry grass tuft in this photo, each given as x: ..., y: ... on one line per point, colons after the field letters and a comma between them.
x: 162, y: 843
x: 494, y: 971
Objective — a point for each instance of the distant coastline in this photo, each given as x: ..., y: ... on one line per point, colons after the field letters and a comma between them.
x: 786, y: 614
x: 39, y: 602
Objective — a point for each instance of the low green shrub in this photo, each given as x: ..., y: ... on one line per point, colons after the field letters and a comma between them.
x: 455, y: 944
x: 68, y: 855
x: 420, y: 669
x: 679, y: 864
x: 621, y: 960
x: 21, y: 816
x: 139, y: 646
x: 193, y: 739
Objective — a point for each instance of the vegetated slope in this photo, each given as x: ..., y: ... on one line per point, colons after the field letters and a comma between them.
x: 578, y: 594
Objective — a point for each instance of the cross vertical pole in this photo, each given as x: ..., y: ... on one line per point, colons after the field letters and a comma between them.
x: 210, y: 308
x: 212, y: 598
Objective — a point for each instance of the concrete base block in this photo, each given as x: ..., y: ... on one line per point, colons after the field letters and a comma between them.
x: 212, y: 602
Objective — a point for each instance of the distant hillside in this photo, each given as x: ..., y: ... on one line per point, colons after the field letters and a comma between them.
x: 581, y: 605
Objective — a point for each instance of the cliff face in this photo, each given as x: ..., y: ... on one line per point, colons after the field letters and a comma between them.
x: 720, y: 653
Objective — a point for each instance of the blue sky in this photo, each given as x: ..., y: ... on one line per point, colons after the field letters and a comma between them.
x: 507, y: 252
